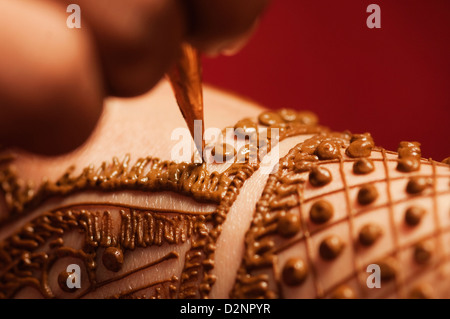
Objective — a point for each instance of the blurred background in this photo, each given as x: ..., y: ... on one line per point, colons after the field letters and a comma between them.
x: 319, y: 55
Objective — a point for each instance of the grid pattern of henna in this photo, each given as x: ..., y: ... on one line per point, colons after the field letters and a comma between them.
x: 251, y: 281
x: 309, y: 248
x: 350, y: 213
x: 398, y: 277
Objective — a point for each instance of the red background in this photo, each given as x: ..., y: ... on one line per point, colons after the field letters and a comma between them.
x: 319, y: 55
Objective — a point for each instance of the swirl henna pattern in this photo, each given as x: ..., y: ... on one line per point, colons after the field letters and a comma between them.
x: 300, y: 186
x: 27, y: 256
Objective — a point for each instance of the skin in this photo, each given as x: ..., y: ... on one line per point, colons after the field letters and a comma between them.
x: 131, y: 125
x: 52, y: 74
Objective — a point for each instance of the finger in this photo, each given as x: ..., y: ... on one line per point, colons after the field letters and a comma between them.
x: 50, y: 91
x: 222, y: 25
x: 137, y: 40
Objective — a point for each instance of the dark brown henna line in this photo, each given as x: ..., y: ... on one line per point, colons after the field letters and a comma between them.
x: 371, y: 183
x: 218, y: 219
x: 431, y: 235
x: 277, y: 276
x: 163, y: 176
x: 422, y: 270
x: 171, y: 255
x: 252, y: 258
x: 10, y: 266
x: 395, y: 250
x: 59, y: 252
x: 391, y: 254
x: 365, y: 210
x: 398, y: 279
x: 308, y: 244
x: 361, y: 210
x: 343, y: 219
x: 126, y: 206
x: 147, y: 174
x: 436, y: 213
x: 350, y: 215
x: 153, y: 284
x: 372, y: 208
x: 389, y: 160
x: 244, y: 281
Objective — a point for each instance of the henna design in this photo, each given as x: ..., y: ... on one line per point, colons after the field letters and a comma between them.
x: 297, y: 183
x: 147, y: 174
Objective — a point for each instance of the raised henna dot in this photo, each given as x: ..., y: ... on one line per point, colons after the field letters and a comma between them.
x: 417, y: 185
x: 270, y: 118
x: 413, y: 215
x: 409, y: 149
x: 245, y: 127
x: 319, y: 176
x: 288, y: 115
x: 328, y: 150
x: 361, y: 137
x: 331, y: 247
x: 295, y: 272
x: 113, y: 259
x: 369, y: 234
x: 359, y: 148
x: 288, y: 224
x: 321, y: 212
x: 367, y: 194
x: 62, y: 282
x: 388, y: 269
x: 408, y: 164
x: 343, y: 292
x: 363, y: 166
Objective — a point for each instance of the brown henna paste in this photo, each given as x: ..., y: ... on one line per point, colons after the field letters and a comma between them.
x: 263, y: 246
x: 363, y: 166
x: 139, y: 228
x: 369, y: 234
x: 23, y: 262
x: 295, y: 271
x: 413, y: 215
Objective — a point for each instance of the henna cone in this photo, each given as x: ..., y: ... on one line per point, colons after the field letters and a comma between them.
x: 186, y: 80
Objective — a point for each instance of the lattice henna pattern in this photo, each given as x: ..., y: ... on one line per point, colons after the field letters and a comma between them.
x: 299, y: 183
